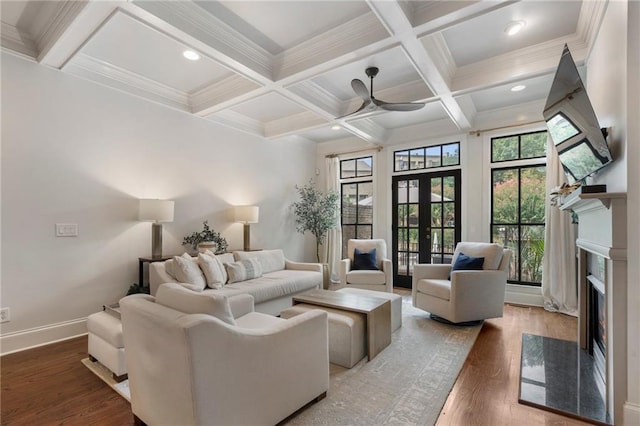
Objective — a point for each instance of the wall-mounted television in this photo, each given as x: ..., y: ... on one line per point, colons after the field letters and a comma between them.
x: 572, y: 123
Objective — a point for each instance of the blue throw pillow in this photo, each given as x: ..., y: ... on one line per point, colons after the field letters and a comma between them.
x: 468, y: 263
x: 365, y: 260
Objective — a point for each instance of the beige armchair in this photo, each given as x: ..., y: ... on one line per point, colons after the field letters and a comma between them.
x: 468, y: 295
x: 380, y: 280
x: 219, y: 362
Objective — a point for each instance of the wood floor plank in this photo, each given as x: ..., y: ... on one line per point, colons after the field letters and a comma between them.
x: 49, y: 385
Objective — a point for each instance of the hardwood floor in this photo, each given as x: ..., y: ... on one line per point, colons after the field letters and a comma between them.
x: 48, y: 385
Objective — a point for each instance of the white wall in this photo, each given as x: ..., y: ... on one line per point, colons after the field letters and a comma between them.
x: 74, y: 151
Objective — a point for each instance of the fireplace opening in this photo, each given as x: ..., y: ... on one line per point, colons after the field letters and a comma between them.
x: 597, y: 325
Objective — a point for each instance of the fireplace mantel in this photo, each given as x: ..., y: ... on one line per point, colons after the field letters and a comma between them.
x: 602, y: 230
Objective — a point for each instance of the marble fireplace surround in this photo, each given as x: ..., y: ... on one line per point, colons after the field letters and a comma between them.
x: 602, y: 231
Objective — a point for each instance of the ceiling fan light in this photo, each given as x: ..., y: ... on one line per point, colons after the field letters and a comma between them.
x: 518, y: 88
x: 514, y: 27
x: 191, y: 55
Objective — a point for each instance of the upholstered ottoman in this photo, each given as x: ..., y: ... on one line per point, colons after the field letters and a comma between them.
x: 106, y: 343
x: 346, y: 333
x: 396, y: 303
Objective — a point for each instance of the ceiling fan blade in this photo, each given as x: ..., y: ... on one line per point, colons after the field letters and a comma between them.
x: 366, y: 105
x: 360, y: 89
x: 400, y: 106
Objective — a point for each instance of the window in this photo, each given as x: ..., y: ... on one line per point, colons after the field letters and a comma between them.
x: 356, y: 199
x: 518, y: 202
x: 427, y: 157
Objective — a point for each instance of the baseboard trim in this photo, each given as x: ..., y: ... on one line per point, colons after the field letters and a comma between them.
x: 523, y: 295
x: 631, y: 414
x: 40, y: 336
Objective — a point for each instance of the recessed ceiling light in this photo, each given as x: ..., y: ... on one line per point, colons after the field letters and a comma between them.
x: 514, y: 27
x: 335, y: 127
x: 191, y: 55
x: 518, y: 88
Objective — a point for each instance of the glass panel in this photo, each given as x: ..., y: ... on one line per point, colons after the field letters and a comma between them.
x: 413, y: 260
x: 402, y: 215
x: 507, y: 236
x: 402, y: 263
x: 347, y: 169
x: 401, y: 161
x: 364, y: 167
x: 402, y: 239
x: 402, y: 191
x: 414, y: 187
x: 433, y: 156
x: 533, y: 145
x: 503, y: 149
x: 413, y: 214
x: 532, y: 249
x: 348, y: 232
x: 451, y: 154
x: 505, y: 196
x: 364, y: 232
x: 417, y: 159
x: 448, y: 243
x: 413, y: 239
x: 449, y: 214
x: 436, y: 215
x: 436, y: 189
x: 365, y: 202
x: 532, y: 195
x: 449, y: 183
x: 436, y: 240
x: 349, y: 193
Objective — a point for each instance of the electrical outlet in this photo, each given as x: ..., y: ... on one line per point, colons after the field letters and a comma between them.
x: 5, y: 315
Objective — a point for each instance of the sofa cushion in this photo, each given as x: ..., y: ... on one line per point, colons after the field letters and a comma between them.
x: 270, y: 260
x: 211, y: 267
x: 186, y: 270
x: 243, y: 270
x: 173, y: 296
x: 436, y: 288
x: 276, y: 284
x: 366, y: 277
x: 257, y: 320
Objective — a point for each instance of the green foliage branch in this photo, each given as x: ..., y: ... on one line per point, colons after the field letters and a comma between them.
x: 316, y: 212
x: 207, y: 234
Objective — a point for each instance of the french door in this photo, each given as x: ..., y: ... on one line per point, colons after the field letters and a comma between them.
x: 426, y: 221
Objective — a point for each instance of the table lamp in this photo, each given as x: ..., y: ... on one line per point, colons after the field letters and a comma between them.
x: 156, y: 211
x: 246, y: 215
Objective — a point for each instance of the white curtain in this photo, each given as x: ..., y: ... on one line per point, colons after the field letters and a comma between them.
x: 559, y: 286
x: 333, y: 245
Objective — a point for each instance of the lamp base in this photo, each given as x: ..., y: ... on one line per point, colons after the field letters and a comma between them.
x: 156, y: 240
x: 247, y: 237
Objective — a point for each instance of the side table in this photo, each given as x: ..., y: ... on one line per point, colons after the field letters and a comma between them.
x: 143, y: 260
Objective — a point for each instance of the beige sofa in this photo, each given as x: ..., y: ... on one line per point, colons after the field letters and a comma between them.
x: 198, y: 359
x: 280, y: 279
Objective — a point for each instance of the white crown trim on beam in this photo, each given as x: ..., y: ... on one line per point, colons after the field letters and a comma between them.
x: 216, y: 96
x: 293, y: 124
x: 17, y: 42
x: 237, y: 121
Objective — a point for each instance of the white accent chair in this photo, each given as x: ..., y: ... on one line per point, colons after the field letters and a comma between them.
x: 380, y: 280
x: 196, y: 359
x: 469, y: 295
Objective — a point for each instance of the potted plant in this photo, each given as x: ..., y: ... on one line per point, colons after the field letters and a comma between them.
x: 316, y: 212
x: 208, y: 235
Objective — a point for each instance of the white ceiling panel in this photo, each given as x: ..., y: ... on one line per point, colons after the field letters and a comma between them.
x: 325, y: 134
x: 484, y: 37
x: 269, y: 107
x: 393, y: 119
x: 138, y: 48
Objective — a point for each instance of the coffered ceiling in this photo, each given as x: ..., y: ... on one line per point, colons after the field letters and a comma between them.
x: 283, y: 69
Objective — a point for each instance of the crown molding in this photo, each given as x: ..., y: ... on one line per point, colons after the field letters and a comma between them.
x: 216, y: 96
x: 196, y: 22
x: 65, y: 14
x: 318, y: 96
x: 229, y: 118
x: 589, y: 21
x: 344, y: 39
x: 367, y: 129
x: 292, y: 124
x: 438, y: 50
x: 110, y: 75
x: 17, y: 42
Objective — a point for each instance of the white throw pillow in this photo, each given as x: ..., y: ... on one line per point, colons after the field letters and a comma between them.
x: 187, y: 271
x: 270, y: 260
x: 243, y: 270
x: 222, y: 259
x: 175, y: 297
x: 211, y: 268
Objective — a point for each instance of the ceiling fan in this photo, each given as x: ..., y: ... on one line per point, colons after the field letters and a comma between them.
x: 370, y: 103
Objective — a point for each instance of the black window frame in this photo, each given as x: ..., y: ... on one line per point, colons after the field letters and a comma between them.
x: 425, y: 148
x: 519, y: 157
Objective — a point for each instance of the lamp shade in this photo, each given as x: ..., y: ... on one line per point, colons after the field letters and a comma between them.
x: 246, y: 214
x: 155, y: 210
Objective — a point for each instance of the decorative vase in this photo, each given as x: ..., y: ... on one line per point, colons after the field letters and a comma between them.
x: 207, y: 245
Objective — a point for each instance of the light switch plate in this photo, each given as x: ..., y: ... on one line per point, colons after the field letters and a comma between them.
x: 66, y: 229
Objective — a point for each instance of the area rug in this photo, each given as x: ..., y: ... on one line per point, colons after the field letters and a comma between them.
x: 406, y: 384
x: 101, y: 371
